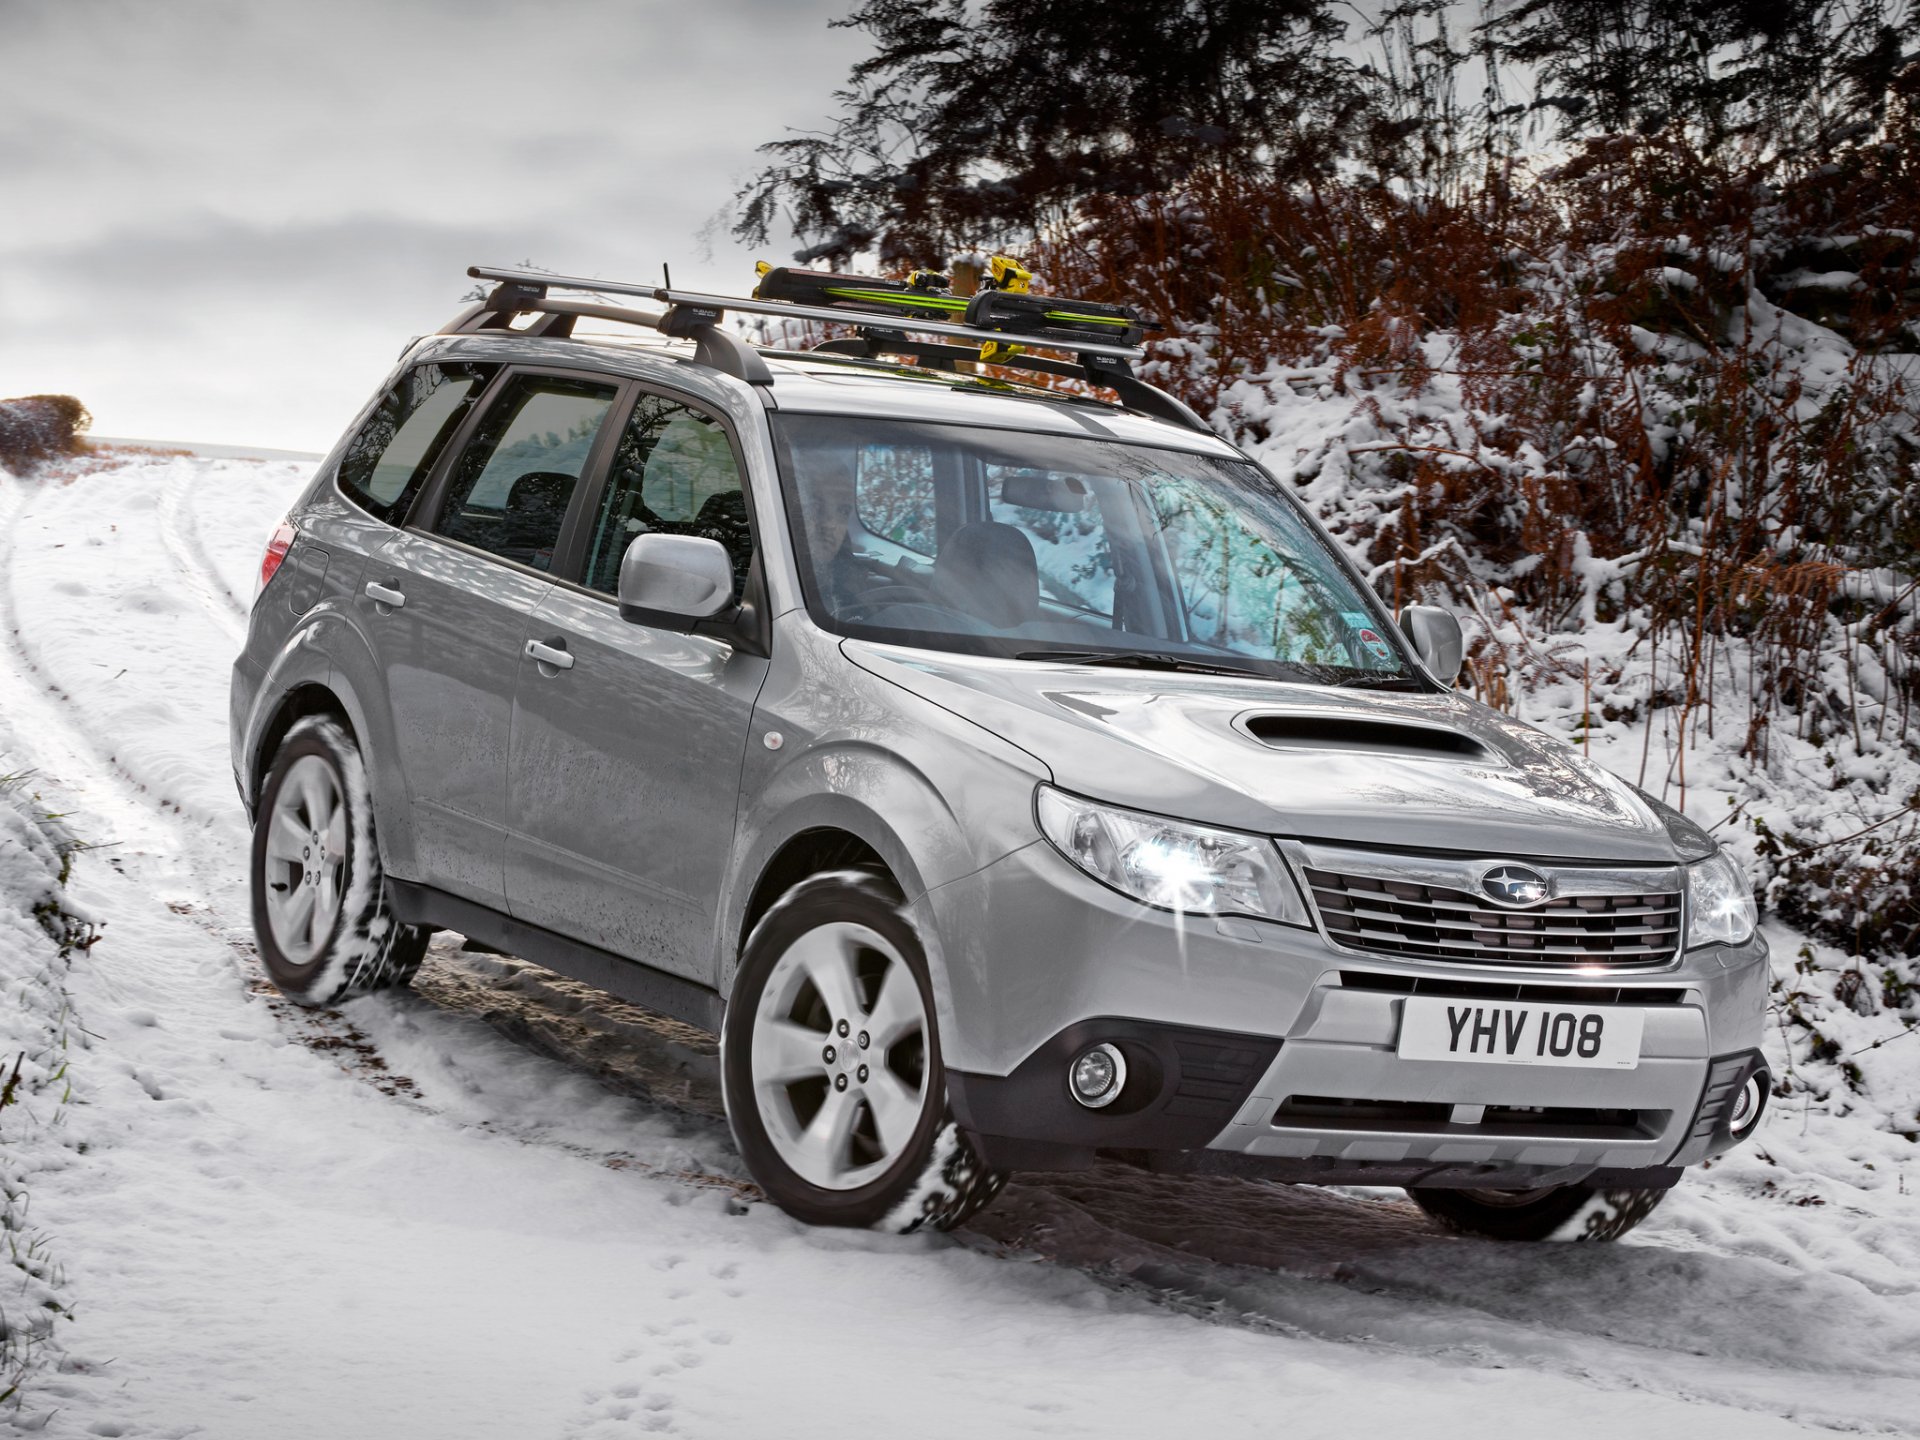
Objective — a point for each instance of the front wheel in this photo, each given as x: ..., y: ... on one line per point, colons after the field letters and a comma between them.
x: 830, y: 1062
x: 321, y: 911
x: 1558, y: 1212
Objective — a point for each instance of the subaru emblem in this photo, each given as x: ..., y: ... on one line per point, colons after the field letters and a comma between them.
x: 1516, y: 885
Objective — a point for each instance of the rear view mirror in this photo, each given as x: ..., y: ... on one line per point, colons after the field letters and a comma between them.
x: 1436, y: 638
x: 1064, y: 493
x: 674, y: 580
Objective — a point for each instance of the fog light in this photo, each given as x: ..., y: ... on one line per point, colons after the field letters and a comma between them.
x: 1747, y: 1105
x: 1098, y: 1076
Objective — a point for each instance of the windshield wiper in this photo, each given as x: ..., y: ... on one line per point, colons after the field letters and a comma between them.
x: 1140, y: 660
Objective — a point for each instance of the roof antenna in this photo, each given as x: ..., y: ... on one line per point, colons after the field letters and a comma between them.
x: 666, y: 275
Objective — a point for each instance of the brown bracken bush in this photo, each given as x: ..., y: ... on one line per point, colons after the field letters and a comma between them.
x: 1644, y: 388
x: 38, y: 428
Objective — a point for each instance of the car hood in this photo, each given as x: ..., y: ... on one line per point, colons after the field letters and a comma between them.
x: 1411, y: 770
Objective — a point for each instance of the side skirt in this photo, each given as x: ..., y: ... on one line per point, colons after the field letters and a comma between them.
x: 630, y: 980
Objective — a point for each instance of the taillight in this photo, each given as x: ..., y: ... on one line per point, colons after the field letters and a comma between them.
x: 278, y: 544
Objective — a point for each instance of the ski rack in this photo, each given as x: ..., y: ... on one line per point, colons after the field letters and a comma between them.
x: 1108, y: 371
x: 695, y: 315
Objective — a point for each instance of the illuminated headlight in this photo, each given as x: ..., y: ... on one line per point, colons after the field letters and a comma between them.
x: 1720, y: 908
x: 1171, y: 864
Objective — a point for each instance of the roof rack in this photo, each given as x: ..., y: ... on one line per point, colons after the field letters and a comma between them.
x: 1021, y: 321
x: 1114, y: 374
x: 523, y: 292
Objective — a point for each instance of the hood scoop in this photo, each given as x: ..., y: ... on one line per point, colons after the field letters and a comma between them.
x: 1363, y: 734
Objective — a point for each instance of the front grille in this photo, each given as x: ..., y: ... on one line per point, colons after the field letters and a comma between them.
x: 1451, y: 988
x: 1430, y: 922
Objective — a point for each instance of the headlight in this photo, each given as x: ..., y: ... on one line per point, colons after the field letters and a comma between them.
x: 1171, y: 864
x: 1720, y: 908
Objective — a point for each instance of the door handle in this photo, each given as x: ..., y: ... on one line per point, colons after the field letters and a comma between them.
x: 549, y: 655
x: 384, y: 595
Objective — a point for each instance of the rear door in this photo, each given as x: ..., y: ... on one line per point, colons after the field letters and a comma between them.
x: 449, y: 599
x: 625, y: 768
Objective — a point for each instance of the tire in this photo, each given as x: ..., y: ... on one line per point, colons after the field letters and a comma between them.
x: 864, y: 1138
x: 1562, y: 1212
x: 313, y: 837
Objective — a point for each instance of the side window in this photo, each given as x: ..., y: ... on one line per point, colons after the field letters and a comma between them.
x: 893, y: 492
x: 389, y: 458
x: 512, y: 483
x: 674, y: 472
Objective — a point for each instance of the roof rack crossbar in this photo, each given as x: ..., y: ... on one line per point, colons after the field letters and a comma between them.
x: 1113, y: 374
x: 521, y: 292
x: 559, y: 282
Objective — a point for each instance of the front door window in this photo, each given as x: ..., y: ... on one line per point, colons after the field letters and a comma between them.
x: 674, y: 473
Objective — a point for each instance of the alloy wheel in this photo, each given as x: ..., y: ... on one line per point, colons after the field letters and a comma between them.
x: 306, y: 859
x: 839, y: 1056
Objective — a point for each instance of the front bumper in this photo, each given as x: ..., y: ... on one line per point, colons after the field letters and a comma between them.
x: 1267, y: 1049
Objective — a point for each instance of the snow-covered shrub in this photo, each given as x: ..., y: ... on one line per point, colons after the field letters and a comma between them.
x: 37, y: 428
x: 39, y: 932
x: 1652, y: 421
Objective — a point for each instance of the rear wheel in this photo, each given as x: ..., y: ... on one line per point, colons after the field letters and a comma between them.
x: 830, y: 1061
x: 1559, y: 1212
x: 321, y: 910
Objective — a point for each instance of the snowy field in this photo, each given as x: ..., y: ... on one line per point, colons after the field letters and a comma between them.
x: 493, y: 1206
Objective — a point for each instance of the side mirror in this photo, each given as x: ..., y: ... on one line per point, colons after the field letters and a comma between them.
x: 674, y: 580
x: 1436, y: 638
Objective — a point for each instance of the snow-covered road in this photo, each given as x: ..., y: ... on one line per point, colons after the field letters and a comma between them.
x: 495, y: 1207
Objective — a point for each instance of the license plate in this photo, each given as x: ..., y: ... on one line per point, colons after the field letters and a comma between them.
x: 1519, y: 1033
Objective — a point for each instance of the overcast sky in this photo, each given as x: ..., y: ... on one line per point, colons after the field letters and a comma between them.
x: 220, y: 221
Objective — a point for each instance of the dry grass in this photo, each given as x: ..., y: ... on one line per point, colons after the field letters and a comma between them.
x: 38, y: 428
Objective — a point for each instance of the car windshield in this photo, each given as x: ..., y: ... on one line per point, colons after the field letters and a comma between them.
x: 1075, y: 548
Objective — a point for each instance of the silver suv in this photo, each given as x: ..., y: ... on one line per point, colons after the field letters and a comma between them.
x: 1010, y: 779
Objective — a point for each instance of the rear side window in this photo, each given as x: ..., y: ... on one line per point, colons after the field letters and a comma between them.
x: 388, y: 460
x: 512, y: 483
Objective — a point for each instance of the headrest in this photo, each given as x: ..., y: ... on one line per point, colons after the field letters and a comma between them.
x: 541, y: 489
x: 988, y: 570
x: 728, y: 507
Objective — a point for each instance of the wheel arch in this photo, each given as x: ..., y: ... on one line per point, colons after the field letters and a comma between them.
x: 327, y: 666
x: 805, y: 854
x: 308, y: 698
x: 829, y: 832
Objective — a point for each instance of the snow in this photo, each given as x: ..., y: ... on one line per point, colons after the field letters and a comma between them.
x: 38, y: 930
x: 497, y: 1206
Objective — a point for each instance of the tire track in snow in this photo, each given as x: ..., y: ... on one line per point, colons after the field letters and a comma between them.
x: 179, y: 533
x: 41, y: 709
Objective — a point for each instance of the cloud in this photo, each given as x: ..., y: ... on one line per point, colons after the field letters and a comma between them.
x: 170, y: 278
x: 189, y: 185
